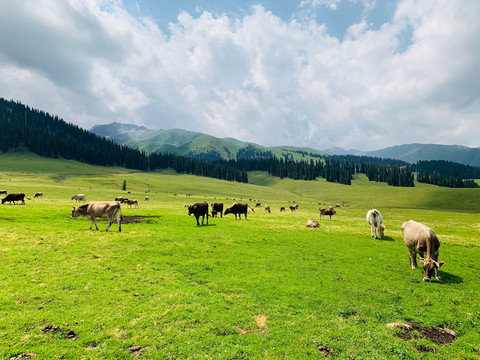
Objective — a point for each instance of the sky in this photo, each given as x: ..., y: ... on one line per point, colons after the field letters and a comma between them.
x: 357, y: 74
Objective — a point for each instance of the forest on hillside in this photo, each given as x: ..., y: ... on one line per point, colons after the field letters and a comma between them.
x: 49, y: 136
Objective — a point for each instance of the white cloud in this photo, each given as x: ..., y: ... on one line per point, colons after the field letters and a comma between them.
x: 256, y: 77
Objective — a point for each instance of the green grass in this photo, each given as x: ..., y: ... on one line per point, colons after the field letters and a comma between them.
x: 266, y: 288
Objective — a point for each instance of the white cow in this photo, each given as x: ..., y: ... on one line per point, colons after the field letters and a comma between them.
x: 94, y: 209
x: 374, y: 218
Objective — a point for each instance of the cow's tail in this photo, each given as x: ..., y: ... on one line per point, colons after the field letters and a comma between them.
x: 27, y: 198
x: 253, y: 210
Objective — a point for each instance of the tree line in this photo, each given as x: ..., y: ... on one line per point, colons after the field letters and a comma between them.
x: 49, y: 136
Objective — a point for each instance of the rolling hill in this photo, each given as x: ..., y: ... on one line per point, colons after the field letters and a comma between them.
x: 192, y: 144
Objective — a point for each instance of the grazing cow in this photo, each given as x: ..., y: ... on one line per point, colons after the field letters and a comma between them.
x: 119, y: 198
x: 292, y: 208
x: 95, y: 209
x: 198, y: 209
x: 218, y: 208
x: 327, y: 212
x: 38, y: 194
x: 282, y: 208
x: 374, y: 218
x: 3, y: 192
x: 239, y: 208
x: 267, y: 208
x: 421, y: 239
x: 313, y: 224
x: 79, y: 197
x: 147, y: 198
x: 15, y: 197
x: 131, y: 202
x: 258, y: 204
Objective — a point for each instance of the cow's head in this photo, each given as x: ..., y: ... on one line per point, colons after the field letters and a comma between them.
x: 227, y: 211
x: 382, y: 230
x: 75, y: 212
x: 429, y: 266
x: 190, y: 209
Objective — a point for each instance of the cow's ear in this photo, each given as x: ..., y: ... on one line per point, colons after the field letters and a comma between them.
x: 440, y: 263
x: 422, y: 260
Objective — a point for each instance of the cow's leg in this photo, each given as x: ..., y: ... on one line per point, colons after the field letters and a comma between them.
x: 245, y: 216
x: 203, y: 219
x: 119, y: 220
x: 110, y: 222
x: 379, y: 232
x: 413, y: 259
x: 94, y: 221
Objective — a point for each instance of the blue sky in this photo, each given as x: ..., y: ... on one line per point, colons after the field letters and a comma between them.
x: 362, y: 74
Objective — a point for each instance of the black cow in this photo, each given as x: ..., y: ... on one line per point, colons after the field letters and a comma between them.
x: 15, y: 197
x: 238, y: 208
x: 198, y: 209
x: 217, y: 208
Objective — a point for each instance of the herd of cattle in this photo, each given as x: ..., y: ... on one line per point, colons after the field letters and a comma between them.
x: 419, y: 238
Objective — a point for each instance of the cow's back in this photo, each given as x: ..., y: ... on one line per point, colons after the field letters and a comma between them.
x: 416, y: 235
x: 102, y: 208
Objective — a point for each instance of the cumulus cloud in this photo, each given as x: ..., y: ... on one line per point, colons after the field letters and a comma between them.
x: 254, y: 77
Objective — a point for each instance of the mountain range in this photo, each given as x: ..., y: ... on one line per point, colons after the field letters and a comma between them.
x: 189, y: 143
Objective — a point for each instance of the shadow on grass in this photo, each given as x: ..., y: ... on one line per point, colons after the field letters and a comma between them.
x: 387, y: 238
x: 449, y: 278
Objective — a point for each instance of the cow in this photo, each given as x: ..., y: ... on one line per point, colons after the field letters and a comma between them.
x: 238, y: 208
x: 38, y: 194
x: 198, y: 209
x: 267, y: 208
x: 147, y: 198
x: 131, y: 202
x: 79, y: 197
x: 15, y: 197
x: 375, y: 219
x: 3, y: 192
x: 421, y: 239
x: 119, y: 198
x: 313, y: 224
x: 218, y: 208
x: 327, y: 212
x: 258, y: 204
x: 95, y: 209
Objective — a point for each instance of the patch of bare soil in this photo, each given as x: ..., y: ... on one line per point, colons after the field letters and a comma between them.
x: 69, y: 334
x: 135, y: 349
x: 437, y: 335
x: 325, y: 350
x: 138, y: 219
x: 23, y: 356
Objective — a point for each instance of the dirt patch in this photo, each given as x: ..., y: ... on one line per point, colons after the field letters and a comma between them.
x: 138, y: 219
x: 325, y: 350
x: 23, y: 356
x: 261, y: 320
x: 437, y: 335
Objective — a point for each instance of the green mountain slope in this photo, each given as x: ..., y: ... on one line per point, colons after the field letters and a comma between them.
x: 188, y: 143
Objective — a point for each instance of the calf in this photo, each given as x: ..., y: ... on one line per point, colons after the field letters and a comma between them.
x: 218, y: 208
x: 421, y: 239
x: 198, y: 209
x: 238, y: 208
x: 15, y: 197
x: 131, y: 202
x: 79, y: 197
x: 313, y: 224
x: 374, y: 218
x: 94, y: 209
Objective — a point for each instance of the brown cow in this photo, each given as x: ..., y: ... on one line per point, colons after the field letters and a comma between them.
x: 94, y: 209
x: 218, y: 208
x: 327, y: 212
x: 239, y: 208
x: 313, y: 224
x: 267, y: 208
x: 131, y: 202
x: 198, y: 209
x: 293, y: 208
x: 282, y: 208
x: 258, y: 204
x: 38, y: 194
x: 421, y: 239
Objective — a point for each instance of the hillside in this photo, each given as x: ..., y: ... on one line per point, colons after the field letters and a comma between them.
x: 416, y: 152
x: 193, y: 144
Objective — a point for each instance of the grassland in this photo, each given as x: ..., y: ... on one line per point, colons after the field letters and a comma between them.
x: 266, y: 288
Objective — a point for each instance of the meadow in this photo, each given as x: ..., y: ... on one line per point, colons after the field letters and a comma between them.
x: 265, y: 288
